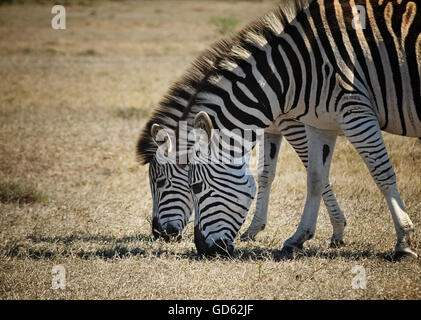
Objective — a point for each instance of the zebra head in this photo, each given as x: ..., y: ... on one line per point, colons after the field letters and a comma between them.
x: 172, y: 199
x: 222, y: 194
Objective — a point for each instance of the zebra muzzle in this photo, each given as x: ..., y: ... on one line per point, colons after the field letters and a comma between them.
x: 224, y: 247
x: 168, y: 233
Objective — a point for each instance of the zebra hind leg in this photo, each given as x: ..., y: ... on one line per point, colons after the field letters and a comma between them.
x: 337, y: 218
x: 365, y: 135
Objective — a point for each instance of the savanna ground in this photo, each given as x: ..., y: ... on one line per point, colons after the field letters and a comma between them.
x: 72, y: 105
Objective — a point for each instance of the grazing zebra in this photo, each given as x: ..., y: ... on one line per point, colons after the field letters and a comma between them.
x: 171, y: 194
x: 314, y: 63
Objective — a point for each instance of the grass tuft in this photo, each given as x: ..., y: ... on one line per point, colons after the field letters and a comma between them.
x: 132, y: 113
x: 21, y: 193
x: 88, y: 52
x: 224, y: 25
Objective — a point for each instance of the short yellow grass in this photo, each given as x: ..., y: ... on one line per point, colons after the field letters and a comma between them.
x: 72, y: 104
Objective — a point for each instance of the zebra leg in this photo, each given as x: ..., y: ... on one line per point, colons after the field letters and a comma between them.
x: 266, y: 175
x: 298, y: 140
x: 337, y: 218
x: 367, y: 139
x: 320, y: 149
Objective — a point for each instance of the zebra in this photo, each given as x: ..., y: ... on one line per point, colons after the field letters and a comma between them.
x: 172, y: 202
x: 172, y: 199
x: 311, y: 62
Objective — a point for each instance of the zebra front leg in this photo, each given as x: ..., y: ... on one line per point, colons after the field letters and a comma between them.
x: 268, y: 157
x: 321, y: 144
x: 365, y: 135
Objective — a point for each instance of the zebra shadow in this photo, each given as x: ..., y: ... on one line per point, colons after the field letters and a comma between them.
x: 277, y: 255
x: 109, y: 247
x: 139, y: 245
x: 84, y: 237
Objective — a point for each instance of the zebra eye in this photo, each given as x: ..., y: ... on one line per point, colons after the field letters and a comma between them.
x: 197, y: 187
x: 160, y: 183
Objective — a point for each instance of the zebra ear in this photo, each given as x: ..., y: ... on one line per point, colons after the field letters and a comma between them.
x: 203, y: 121
x: 161, y: 138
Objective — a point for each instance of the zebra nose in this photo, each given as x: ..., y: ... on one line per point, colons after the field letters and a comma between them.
x: 169, y: 232
x: 223, y: 247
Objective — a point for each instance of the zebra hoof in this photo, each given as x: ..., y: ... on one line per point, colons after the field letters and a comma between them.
x: 251, y: 233
x: 405, y: 255
x: 247, y: 237
x: 334, y: 243
x: 291, y: 253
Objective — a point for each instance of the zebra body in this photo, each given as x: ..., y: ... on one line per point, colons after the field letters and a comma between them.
x: 308, y: 62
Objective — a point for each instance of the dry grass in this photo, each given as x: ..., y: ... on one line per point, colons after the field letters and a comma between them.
x: 72, y: 104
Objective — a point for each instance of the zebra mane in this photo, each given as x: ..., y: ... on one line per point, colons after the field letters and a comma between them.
x: 177, y: 103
